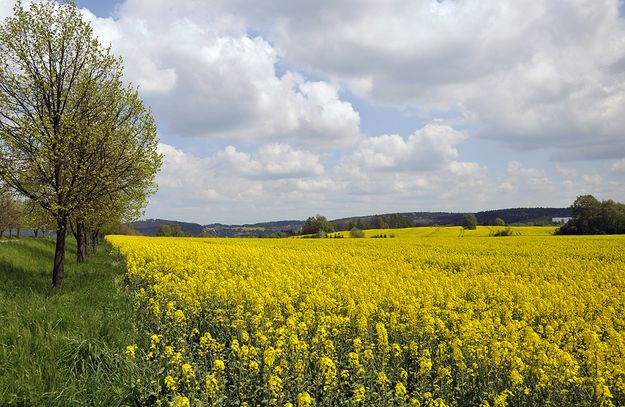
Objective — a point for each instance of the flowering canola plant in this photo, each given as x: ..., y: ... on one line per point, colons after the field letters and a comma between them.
x: 523, y: 320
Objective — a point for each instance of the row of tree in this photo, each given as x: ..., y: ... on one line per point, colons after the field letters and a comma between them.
x: 171, y: 230
x: 470, y: 222
x: 75, y: 141
x: 16, y: 215
x: 391, y: 221
x: 591, y: 216
x: 319, y: 224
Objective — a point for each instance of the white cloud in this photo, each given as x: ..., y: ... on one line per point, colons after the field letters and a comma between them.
x: 205, y: 76
x: 539, y: 74
x: 567, y: 172
x: 527, y: 179
x: 619, y: 166
x: 429, y: 148
x: 270, y: 161
x: 594, y: 179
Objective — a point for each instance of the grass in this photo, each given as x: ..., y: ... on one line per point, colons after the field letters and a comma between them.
x: 62, y: 346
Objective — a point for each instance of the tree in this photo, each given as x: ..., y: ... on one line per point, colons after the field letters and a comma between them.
x: 107, y: 212
x: 500, y: 222
x: 377, y: 222
x: 36, y: 218
x: 586, y: 212
x: 398, y: 221
x: 590, y: 216
x: 71, y: 133
x: 469, y: 221
x: 172, y: 230
x: 164, y: 230
x: 317, y: 224
x: 356, y: 233
x: 7, y: 211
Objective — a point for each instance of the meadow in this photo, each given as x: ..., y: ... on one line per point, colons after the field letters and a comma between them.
x: 491, y: 321
x: 63, y: 346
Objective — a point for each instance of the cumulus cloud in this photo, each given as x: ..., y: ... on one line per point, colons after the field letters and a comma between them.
x: 619, y: 167
x: 534, y: 75
x: 567, y: 172
x: 428, y: 148
x: 270, y: 161
x: 205, y: 76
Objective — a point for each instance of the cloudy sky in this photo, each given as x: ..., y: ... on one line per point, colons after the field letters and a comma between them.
x: 280, y: 109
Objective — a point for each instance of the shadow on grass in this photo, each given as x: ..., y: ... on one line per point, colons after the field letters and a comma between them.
x: 16, y: 279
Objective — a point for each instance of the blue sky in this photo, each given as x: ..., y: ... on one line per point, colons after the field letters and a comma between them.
x: 281, y: 109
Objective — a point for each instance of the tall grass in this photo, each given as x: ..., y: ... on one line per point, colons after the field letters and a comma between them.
x: 62, y: 346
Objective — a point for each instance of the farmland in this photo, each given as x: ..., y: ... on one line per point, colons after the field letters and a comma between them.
x: 520, y: 320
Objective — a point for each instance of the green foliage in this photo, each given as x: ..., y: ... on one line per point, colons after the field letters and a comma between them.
x: 164, y: 230
x: 500, y: 222
x: 469, y: 221
x: 316, y: 225
x: 63, y: 348
x: 73, y: 138
x: 504, y: 232
x: 591, y: 216
x: 172, y: 230
x: 122, y: 229
x: 7, y: 211
x: 356, y: 233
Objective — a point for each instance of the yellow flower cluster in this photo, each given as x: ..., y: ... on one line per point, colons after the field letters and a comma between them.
x: 523, y: 320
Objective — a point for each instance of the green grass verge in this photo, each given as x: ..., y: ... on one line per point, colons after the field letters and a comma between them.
x: 63, y: 346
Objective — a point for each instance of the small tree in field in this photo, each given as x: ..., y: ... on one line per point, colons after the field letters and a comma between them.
x: 317, y: 224
x: 71, y: 133
x: 500, y: 222
x: 164, y: 230
x: 469, y: 221
x: 356, y: 233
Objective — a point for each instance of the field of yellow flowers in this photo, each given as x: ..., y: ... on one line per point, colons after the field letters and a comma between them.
x: 516, y: 321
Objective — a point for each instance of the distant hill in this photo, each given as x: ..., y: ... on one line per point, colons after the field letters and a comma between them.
x: 149, y: 227
x: 514, y: 216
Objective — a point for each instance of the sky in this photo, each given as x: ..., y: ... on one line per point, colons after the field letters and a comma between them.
x: 281, y: 109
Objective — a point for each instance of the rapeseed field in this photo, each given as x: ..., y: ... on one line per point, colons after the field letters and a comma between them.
x: 512, y: 321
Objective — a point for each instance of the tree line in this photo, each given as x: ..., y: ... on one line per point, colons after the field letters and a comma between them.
x: 75, y: 141
x: 591, y: 217
x: 392, y: 221
x: 17, y: 215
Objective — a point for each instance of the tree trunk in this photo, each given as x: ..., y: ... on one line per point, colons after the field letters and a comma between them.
x: 18, y: 233
x: 81, y: 242
x: 36, y: 232
x: 58, y: 273
x: 94, y: 235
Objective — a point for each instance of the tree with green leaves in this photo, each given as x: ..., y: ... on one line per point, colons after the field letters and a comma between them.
x: 89, y: 223
x: 356, y: 233
x: 591, y: 216
x: 71, y: 132
x: 469, y: 221
x: 36, y: 218
x: 164, y: 230
x: 7, y: 211
x: 500, y: 222
x: 317, y: 224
